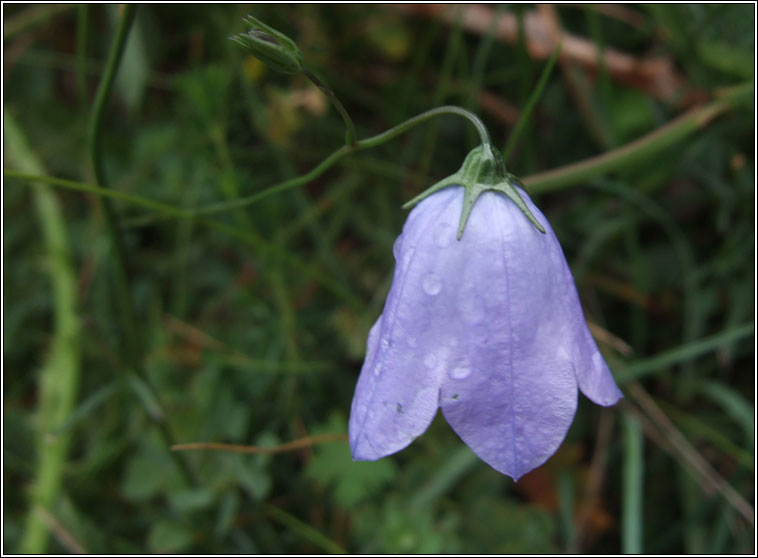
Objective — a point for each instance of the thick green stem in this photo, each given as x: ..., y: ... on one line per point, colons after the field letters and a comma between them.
x: 59, y: 376
x: 640, y: 149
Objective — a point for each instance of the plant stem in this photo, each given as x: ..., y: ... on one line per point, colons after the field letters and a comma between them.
x: 633, y: 483
x: 530, y: 104
x: 360, y: 145
x: 59, y: 376
x: 350, y: 137
x: 403, y: 127
x: 81, y: 54
x: 250, y: 238
x: 640, y: 149
x: 538, y: 183
x: 129, y: 348
x: 548, y: 181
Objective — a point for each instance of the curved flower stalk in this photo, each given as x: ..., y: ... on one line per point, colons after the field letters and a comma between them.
x: 488, y: 328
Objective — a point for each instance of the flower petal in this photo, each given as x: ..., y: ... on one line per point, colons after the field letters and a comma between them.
x: 592, y: 373
x: 512, y: 395
x: 397, y: 394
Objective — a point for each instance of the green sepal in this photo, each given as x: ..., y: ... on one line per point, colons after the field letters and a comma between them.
x: 272, y: 47
x: 482, y: 170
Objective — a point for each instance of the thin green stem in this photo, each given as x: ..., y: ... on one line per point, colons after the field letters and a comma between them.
x: 384, y: 137
x: 538, y: 183
x: 633, y: 483
x: 351, y: 136
x: 147, y: 203
x: 360, y: 145
x: 530, y: 104
x: 129, y: 348
x: 683, y: 353
x: 303, y: 530
x: 248, y: 237
x: 81, y: 54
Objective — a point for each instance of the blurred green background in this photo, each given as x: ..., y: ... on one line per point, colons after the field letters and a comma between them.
x: 251, y: 330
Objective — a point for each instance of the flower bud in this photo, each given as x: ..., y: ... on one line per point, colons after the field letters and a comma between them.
x: 272, y: 47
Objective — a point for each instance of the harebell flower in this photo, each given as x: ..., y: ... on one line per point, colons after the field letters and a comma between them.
x: 483, y: 318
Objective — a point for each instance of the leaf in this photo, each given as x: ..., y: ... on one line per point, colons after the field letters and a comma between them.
x: 149, y: 472
x: 131, y: 80
x: 169, y: 536
x: 352, y: 481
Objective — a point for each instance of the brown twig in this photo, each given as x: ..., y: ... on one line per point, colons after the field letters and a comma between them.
x: 288, y: 446
x: 60, y: 533
x: 656, y: 75
x: 658, y: 427
x: 499, y: 108
x: 605, y: 337
x: 596, y: 478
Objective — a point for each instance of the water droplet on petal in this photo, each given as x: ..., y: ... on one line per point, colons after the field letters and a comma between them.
x: 461, y: 370
x: 431, y: 283
x: 412, y: 342
x: 444, y: 235
x: 378, y: 369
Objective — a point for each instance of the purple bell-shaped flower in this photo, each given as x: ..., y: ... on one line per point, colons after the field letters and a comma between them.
x: 486, y: 325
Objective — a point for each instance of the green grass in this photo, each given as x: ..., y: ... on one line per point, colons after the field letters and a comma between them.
x: 252, y: 290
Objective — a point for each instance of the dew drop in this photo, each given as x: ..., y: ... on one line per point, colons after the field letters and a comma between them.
x: 461, y: 370
x: 431, y: 283
x: 378, y: 369
x: 412, y: 342
x: 444, y: 234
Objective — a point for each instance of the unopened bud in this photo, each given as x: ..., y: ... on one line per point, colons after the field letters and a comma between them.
x: 272, y: 47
